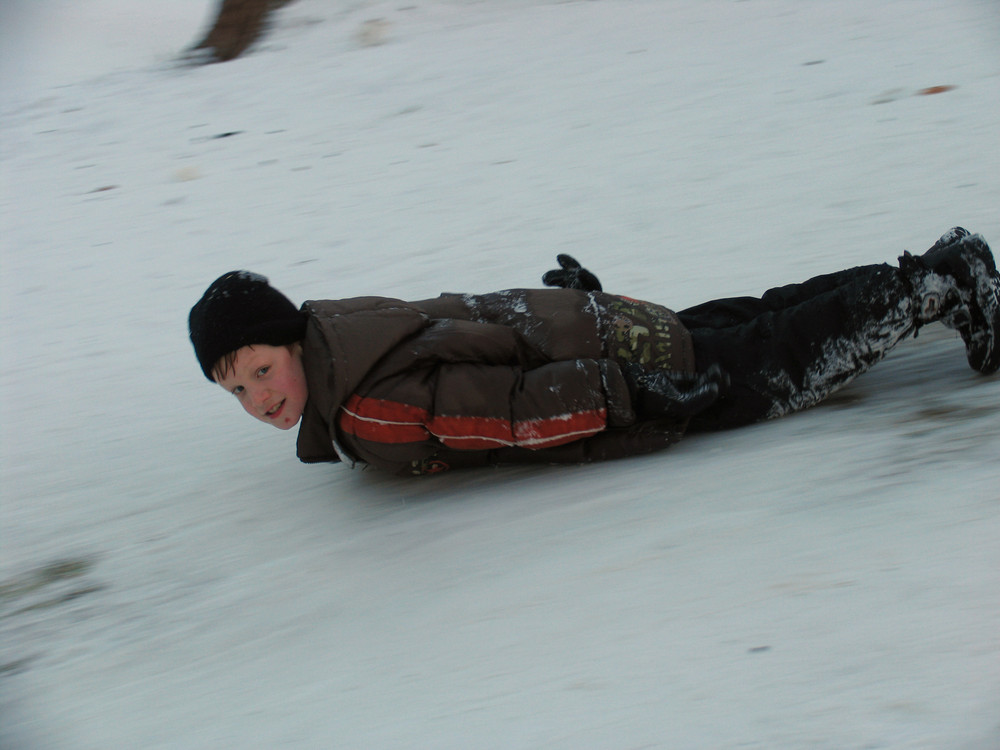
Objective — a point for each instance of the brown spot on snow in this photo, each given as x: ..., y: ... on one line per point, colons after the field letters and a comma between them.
x: 935, y: 90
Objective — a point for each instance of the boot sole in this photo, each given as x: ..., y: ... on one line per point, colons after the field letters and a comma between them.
x: 982, y: 335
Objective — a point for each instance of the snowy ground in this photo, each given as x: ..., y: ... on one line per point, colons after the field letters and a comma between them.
x: 171, y: 576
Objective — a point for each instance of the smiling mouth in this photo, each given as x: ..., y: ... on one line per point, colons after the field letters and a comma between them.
x: 274, y: 410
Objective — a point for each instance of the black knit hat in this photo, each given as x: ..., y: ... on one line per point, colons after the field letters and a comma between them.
x: 241, y: 309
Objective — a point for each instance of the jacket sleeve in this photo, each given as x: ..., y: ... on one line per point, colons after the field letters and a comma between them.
x: 475, y: 387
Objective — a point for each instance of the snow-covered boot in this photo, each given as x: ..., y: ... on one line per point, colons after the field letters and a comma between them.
x: 956, y: 282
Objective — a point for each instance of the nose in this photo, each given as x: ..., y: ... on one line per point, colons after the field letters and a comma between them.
x: 260, y: 395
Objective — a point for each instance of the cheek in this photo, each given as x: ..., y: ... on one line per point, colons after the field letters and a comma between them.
x: 248, y: 408
x: 298, y: 386
x: 301, y: 391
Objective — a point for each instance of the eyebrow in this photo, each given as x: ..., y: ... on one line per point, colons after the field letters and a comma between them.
x: 252, y: 362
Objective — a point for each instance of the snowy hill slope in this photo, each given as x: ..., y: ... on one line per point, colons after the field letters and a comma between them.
x: 171, y: 576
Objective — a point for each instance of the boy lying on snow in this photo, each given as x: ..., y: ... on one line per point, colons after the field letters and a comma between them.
x: 570, y: 374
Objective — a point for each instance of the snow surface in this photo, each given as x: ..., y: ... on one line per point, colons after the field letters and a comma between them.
x: 171, y: 576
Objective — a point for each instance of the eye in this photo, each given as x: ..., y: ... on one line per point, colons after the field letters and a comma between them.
x: 263, y: 371
x: 238, y: 390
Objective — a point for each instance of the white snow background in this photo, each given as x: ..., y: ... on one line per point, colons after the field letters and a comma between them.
x: 172, y: 577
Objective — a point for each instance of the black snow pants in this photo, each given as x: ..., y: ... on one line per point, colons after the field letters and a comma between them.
x: 796, y: 344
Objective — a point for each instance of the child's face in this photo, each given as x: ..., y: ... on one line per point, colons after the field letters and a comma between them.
x: 269, y: 383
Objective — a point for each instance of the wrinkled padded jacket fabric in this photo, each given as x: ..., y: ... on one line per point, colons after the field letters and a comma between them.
x: 524, y: 375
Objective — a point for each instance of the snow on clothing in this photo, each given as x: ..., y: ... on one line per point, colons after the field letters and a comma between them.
x: 792, y: 347
x: 473, y: 380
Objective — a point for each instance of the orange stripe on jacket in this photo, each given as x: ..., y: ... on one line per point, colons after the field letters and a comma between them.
x: 382, y: 421
x: 548, y: 433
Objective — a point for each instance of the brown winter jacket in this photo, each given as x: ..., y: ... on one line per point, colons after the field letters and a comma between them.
x: 524, y: 375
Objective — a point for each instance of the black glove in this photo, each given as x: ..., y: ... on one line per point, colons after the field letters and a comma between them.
x: 662, y: 394
x: 571, y: 275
